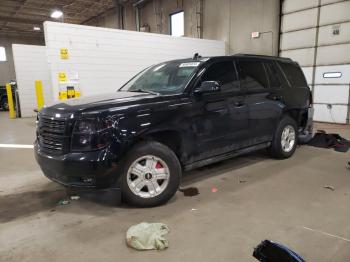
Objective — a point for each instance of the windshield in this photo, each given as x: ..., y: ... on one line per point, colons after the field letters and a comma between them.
x: 165, y: 78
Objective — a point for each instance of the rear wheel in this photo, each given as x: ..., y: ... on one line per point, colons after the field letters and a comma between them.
x: 151, y: 174
x: 285, y: 139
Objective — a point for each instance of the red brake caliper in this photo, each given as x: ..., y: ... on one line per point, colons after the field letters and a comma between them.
x: 158, y: 165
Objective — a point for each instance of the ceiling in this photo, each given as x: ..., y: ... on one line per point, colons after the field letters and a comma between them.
x: 20, y: 16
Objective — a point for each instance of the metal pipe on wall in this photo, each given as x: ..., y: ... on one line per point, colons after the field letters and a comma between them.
x: 137, y: 17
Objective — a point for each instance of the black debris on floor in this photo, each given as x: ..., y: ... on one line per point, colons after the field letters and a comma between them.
x: 190, y: 191
x: 323, y: 140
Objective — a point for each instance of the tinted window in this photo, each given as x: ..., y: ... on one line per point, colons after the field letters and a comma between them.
x: 273, y: 74
x: 224, y: 73
x: 294, y: 74
x: 252, y: 75
x: 165, y: 78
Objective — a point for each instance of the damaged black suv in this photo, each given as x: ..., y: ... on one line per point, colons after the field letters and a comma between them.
x: 171, y: 117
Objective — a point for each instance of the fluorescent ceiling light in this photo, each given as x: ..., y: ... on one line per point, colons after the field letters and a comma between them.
x: 36, y: 28
x: 332, y: 75
x: 56, y: 14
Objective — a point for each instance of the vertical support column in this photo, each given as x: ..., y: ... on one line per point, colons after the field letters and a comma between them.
x: 314, y: 66
x: 39, y: 94
x: 10, y: 101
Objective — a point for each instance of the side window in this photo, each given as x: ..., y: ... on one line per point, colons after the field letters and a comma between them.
x: 252, y: 75
x: 274, y: 75
x: 294, y: 74
x: 224, y: 73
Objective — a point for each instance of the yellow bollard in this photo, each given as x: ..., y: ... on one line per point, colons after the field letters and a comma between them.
x: 39, y: 94
x: 10, y: 101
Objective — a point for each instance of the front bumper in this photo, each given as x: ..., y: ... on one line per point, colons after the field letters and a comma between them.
x: 95, y: 169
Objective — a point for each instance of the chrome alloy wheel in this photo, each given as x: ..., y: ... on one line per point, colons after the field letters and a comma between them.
x: 148, y: 176
x: 288, y: 138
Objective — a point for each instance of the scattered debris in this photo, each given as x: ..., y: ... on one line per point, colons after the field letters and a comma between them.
x: 329, y: 187
x: 147, y: 236
x: 214, y: 190
x: 268, y: 251
x: 63, y: 202
x: 243, y: 181
x: 190, y: 191
x: 74, y: 197
x: 323, y: 140
x: 194, y: 209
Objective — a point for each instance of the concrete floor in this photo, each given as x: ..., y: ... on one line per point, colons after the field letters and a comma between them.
x: 284, y: 201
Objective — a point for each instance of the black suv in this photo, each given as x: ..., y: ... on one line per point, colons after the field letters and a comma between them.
x: 174, y: 116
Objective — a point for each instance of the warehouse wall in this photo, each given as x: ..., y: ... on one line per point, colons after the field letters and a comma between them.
x: 31, y: 64
x: 316, y: 33
x: 101, y: 60
x: 231, y: 21
x: 7, y: 70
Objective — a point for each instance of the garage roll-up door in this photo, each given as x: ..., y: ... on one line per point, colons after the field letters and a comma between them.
x: 316, y: 34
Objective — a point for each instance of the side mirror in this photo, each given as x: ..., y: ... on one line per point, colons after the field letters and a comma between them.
x: 208, y: 87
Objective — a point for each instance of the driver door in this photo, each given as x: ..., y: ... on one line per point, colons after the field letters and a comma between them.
x: 220, y: 121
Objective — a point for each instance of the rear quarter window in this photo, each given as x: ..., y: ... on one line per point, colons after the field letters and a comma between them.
x: 294, y: 74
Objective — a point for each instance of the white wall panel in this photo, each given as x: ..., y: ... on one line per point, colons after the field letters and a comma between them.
x: 331, y: 94
x: 296, y: 5
x: 308, y: 72
x: 324, y: 2
x: 326, y: 36
x: 298, y: 39
x: 335, y: 13
x: 336, y: 114
x: 343, y: 69
x: 304, y: 57
x: 30, y: 65
x: 333, y: 55
x: 299, y: 20
x: 104, y: 59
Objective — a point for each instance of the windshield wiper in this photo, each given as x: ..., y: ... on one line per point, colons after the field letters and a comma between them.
x: 144, y: 91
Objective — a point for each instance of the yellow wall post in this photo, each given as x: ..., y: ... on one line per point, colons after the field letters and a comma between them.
x: 39, y: 94
x: 10, y: 101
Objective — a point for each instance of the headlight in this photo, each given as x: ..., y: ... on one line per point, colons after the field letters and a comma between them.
x: 91, y: 134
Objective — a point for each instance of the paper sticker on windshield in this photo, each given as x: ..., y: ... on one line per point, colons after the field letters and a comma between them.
x: 191, y: 64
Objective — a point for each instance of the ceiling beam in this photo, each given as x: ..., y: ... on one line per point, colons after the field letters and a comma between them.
x: 21, y: 20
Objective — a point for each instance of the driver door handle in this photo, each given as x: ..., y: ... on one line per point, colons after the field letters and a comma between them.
x: 275, y: 97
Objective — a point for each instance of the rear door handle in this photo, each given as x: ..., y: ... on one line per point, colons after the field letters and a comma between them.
x: 239, y: 103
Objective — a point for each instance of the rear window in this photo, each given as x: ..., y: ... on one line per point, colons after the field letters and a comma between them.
x: 274, y: 75
x: 252, y: 74
x: 294, y: 74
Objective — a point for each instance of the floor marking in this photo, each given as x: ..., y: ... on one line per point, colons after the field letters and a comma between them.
x: 16, y: 146
x: 327, y: 234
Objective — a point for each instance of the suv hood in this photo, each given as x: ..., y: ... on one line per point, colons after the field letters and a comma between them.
x: 97, y: 102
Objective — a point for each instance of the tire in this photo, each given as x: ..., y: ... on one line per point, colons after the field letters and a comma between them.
x: 142, y: 166
x: 4, y: 104
x: 280, y: 147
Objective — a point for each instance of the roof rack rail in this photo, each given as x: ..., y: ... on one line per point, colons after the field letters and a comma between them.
x: 263, y: 56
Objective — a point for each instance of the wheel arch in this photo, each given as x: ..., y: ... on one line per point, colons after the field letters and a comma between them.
x: 168, y: 137
x: 299, y: 115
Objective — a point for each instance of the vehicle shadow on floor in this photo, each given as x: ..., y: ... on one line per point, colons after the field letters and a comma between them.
x: 14, y: 206
x: 106, y: 202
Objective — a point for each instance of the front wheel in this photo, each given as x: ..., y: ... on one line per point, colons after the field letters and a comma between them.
x: 151, y: 174
x: 285, y: 139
